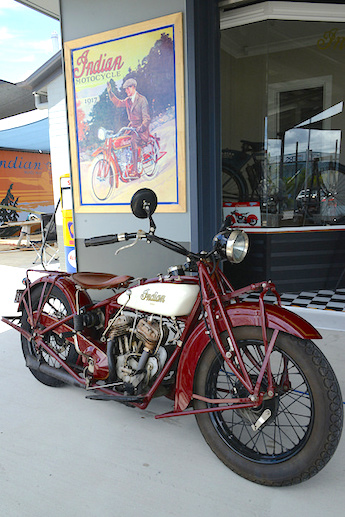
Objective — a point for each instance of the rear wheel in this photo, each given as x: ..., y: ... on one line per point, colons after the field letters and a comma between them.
x: 306, y: 414
x: 332, y: 200
x: 233, y: 186
x: 150, y: 158
x: 58, y: 306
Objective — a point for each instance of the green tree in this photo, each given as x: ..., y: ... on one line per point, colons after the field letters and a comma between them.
x: 155, y: 75
x: 156, y: 81
x: 8, y: 215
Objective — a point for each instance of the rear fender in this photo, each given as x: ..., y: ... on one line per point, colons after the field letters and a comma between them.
x: 63, y: 282
x: 241, y: 314
x: 68, y: 287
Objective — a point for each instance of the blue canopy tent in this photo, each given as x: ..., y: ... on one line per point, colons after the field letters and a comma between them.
x: 30, y: 137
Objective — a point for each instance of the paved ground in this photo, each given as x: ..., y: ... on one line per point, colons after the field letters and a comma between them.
x: 64, y: 455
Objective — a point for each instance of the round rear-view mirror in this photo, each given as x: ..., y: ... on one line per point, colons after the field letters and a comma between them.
x: 144, y: 203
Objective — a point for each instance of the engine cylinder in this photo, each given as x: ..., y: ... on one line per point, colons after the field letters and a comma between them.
x: 148, y: 332
x: 121, y: 326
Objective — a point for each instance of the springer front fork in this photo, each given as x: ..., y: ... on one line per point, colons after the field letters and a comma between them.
x: 217, y: 293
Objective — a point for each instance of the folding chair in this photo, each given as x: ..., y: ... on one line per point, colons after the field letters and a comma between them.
x: 46, y: 253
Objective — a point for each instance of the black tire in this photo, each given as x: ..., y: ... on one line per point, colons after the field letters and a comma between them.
x: 332, y: 205
x: 58, y: 305
x: 233, y: 186
x: 102, y: 178
x: 307, y: 416
x: 150, y: 158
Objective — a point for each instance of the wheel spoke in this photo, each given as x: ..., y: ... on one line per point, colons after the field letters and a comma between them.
x: 297, y: 432
x: 102, y: 178
x: 291, y: 410
x: 57, y: 309
x: 56, y: 305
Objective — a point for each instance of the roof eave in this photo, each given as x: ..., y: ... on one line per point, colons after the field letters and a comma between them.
x: 43, y: 75
x: 49, y: 7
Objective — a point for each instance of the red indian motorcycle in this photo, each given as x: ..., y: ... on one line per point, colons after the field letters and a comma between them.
x: 113, y: 161
x: 265, y: 398
x: 236, y: 217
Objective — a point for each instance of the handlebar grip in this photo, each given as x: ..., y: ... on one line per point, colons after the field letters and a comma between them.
x: 108, y: 239
x: 100, y: 240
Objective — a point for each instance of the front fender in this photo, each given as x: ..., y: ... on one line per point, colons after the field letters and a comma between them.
x: 241, y: 314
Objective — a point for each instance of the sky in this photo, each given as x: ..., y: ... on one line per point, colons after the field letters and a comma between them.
x: 25, y: 40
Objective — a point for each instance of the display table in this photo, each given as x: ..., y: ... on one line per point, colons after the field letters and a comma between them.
x: 26, y: 228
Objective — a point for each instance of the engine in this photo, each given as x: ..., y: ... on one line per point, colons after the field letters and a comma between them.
x: 124, y: 157
x: 135, y: 350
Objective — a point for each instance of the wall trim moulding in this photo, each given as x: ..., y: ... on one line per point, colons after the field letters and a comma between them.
x: 302, y: 11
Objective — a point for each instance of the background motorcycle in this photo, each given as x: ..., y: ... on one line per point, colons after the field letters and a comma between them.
x: 112, y: 161
x: 265, y: 398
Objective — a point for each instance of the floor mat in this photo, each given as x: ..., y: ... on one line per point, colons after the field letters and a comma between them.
x: 323, y: 299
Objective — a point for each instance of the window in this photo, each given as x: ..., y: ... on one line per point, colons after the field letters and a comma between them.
x: 283, y: 119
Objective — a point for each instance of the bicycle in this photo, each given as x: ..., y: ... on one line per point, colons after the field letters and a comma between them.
x: 322, y: 200
x: 241, y: 179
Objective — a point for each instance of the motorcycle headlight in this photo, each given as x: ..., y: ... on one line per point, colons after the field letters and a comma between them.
x: 232, y: 245
x: 102, y: 133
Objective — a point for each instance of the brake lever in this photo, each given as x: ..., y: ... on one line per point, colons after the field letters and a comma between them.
x: 140, y: 235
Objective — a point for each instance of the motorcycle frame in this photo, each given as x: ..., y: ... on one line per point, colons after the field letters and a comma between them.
x: 110, y: 154
x: 217, y: 307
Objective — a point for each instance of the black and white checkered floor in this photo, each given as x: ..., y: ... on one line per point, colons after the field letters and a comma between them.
x: 323, y: 299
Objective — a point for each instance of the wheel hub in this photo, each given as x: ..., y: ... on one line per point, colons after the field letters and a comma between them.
x: 259, y: 416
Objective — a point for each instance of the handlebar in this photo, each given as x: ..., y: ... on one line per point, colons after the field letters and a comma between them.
x: 127, y: 128
x: 150, y: 237
x: 108, y: 239
x: 103, y: 133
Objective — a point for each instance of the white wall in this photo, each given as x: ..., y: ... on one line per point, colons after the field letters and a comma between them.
x: 59, y: 149
x: 58, y: 134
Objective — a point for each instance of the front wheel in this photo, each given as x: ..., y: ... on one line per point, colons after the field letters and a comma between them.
x: 306, y: 419
x: 103, y: 178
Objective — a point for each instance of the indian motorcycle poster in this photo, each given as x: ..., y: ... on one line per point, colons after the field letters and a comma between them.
x: 126, y: 116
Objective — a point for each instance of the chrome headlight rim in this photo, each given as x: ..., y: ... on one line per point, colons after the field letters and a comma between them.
x: 232, y: 245
x: 234, y: 253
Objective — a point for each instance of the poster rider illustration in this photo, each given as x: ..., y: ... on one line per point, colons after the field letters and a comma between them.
x: 138, y: 115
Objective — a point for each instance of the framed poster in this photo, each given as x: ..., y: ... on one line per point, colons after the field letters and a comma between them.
x: 125, y: 95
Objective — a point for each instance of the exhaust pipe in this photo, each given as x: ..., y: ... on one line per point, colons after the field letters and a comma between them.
x: 58, y: 373
x: 62, y: 375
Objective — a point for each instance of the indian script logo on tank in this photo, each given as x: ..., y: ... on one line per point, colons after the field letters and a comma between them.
x: 155, y: 297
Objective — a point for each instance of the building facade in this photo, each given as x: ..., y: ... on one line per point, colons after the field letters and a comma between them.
x: 264, y: 114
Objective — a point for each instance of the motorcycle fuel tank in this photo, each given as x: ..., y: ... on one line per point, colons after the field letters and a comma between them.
x: 161, y: 298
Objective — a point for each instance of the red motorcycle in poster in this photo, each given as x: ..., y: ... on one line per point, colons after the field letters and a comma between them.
x: 265, y: 398
x: 236, y: 217
x: 112, y: 161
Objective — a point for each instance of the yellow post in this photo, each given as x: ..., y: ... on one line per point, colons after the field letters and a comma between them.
x: 67, y: 223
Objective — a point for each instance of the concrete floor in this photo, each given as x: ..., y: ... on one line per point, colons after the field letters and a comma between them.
x: 64, y: 455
